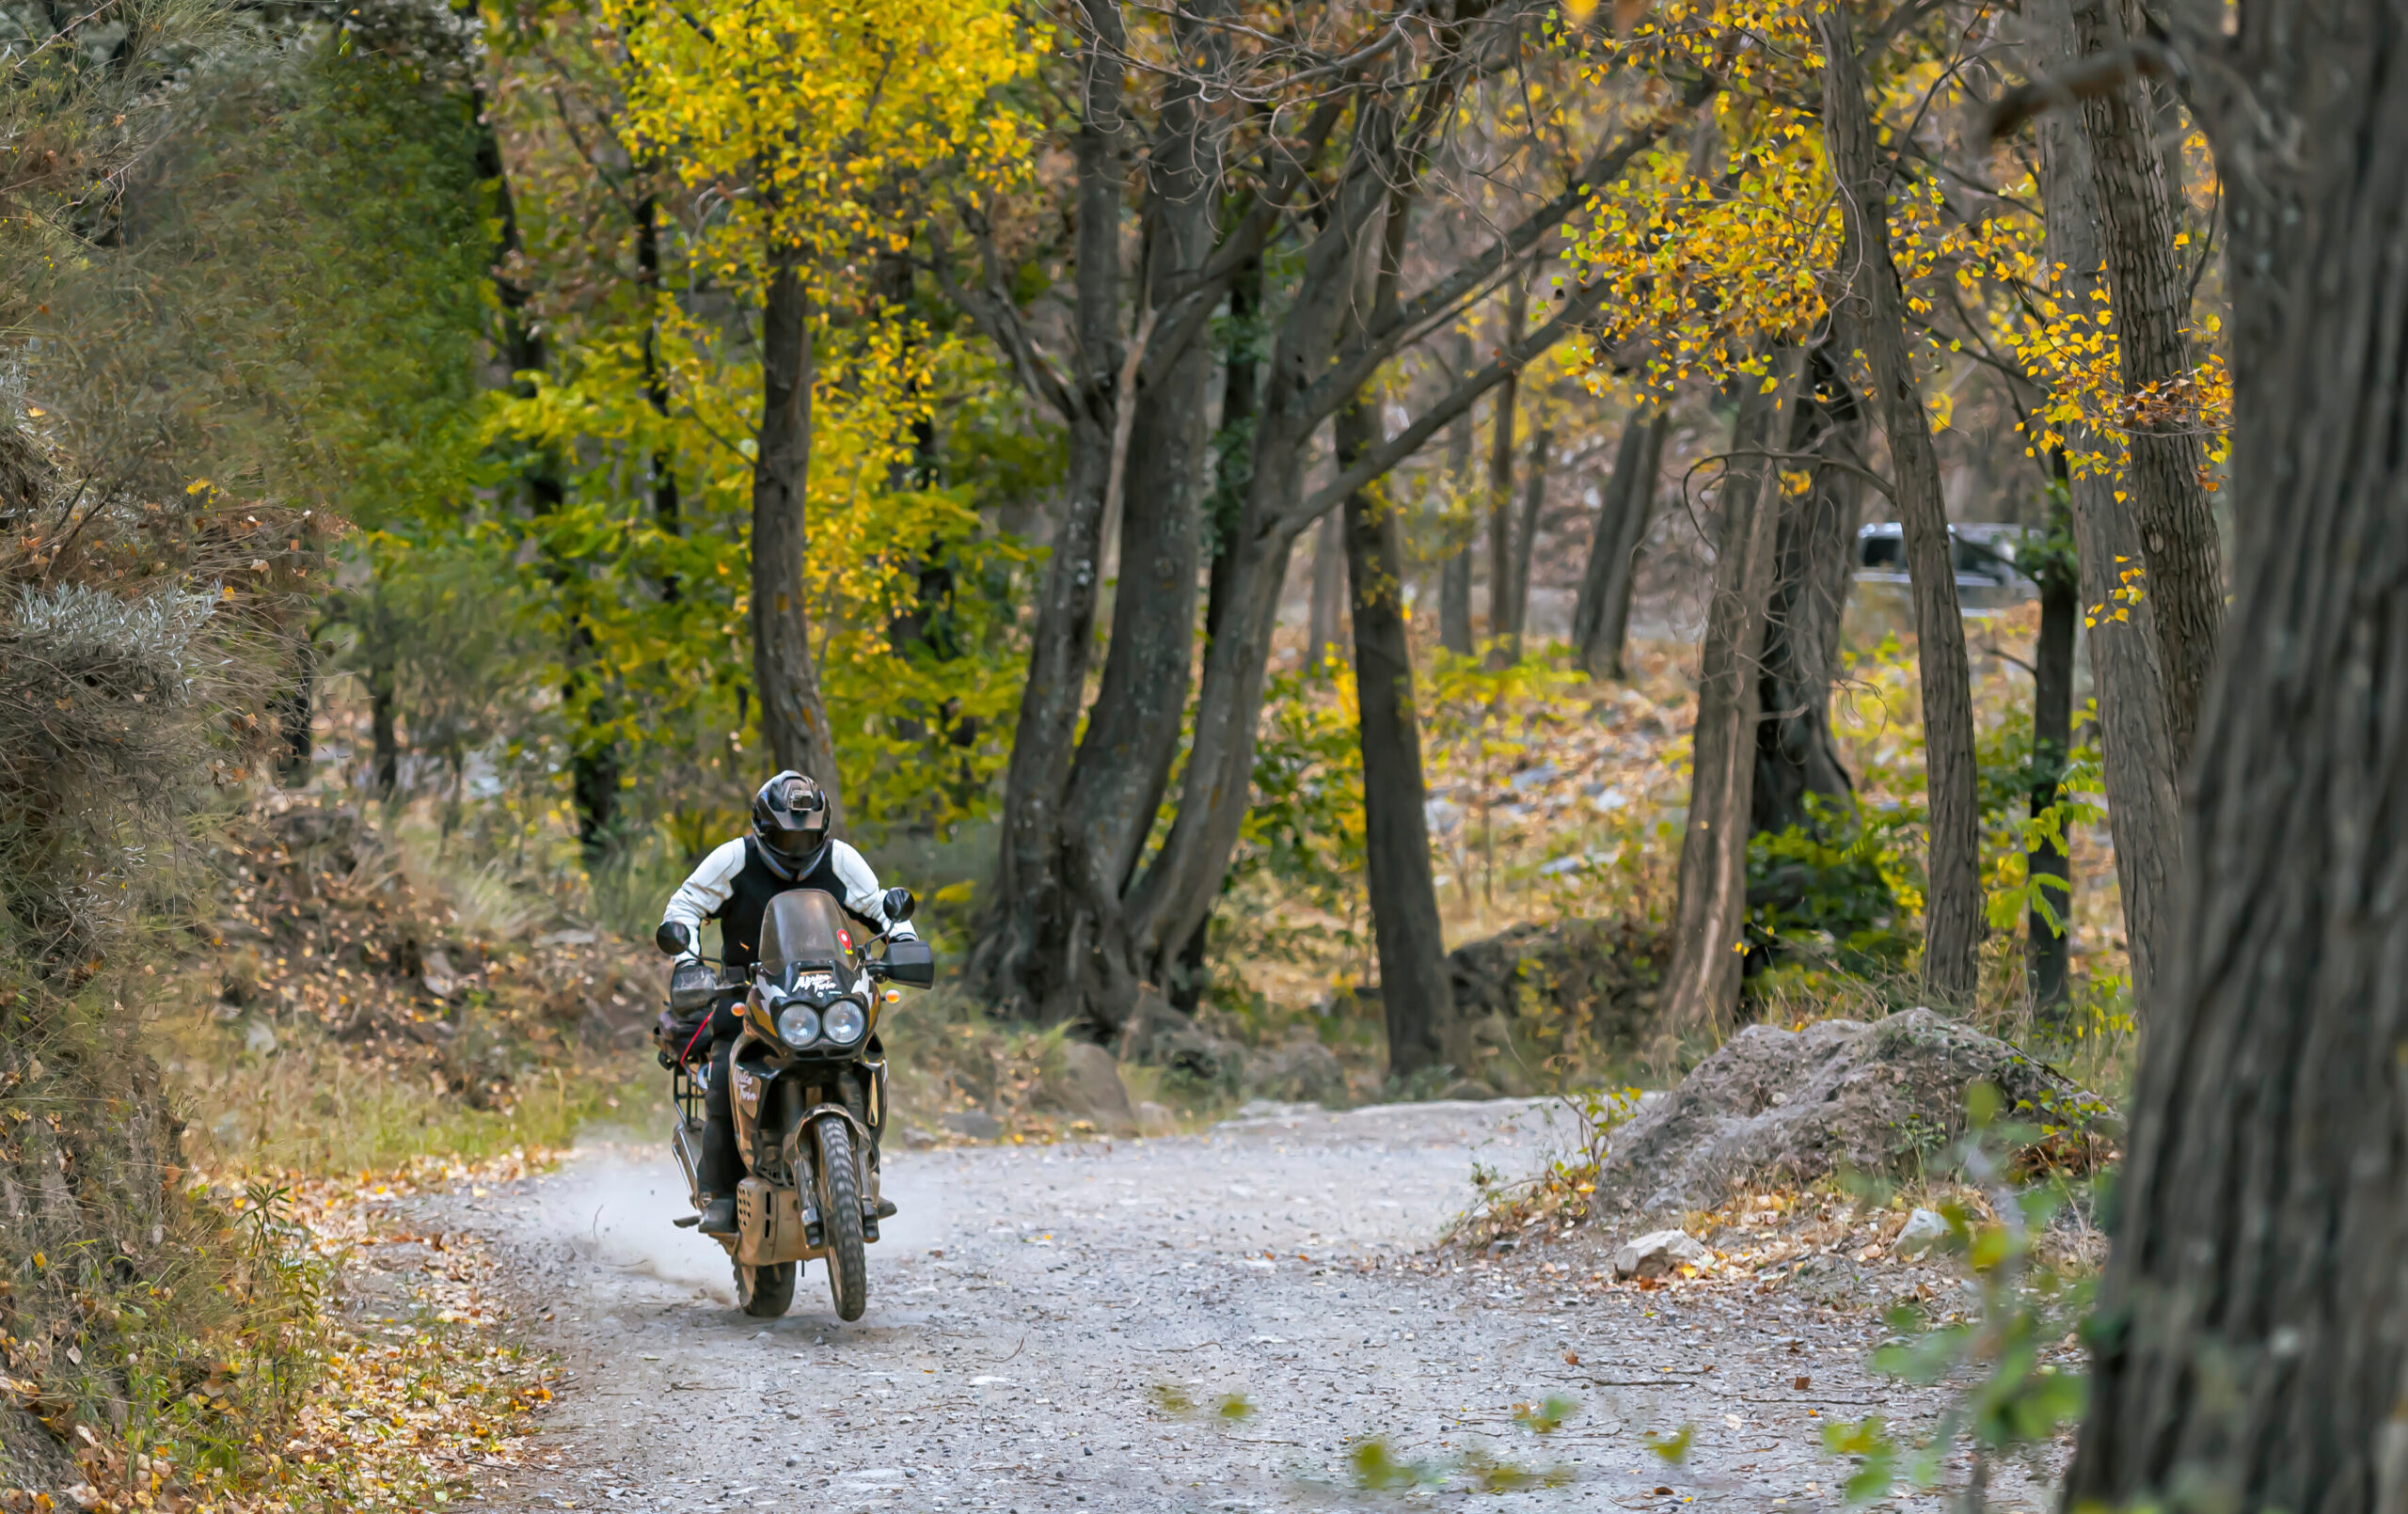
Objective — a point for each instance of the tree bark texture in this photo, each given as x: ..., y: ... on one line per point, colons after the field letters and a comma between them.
x: 1017, y: 962
x: 1328, y: 570
x: 1454, y: 573
x: 2135, y: 740
x: 2152, y: 304
x: 2251, y: 1345
x: 1124, y: 760
x: 786, y: 672
x: 1526, y: 531
x: 1876, y: 313
x: 1601, y: 616
x: 1415, y: 992
x: 1503, y: 630
x: 1795, y: 753
x: 1709, y: 921
x: 2048, y: 960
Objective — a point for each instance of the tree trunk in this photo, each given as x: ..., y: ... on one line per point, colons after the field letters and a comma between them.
x: 1328, y: 590
x: 294, y: 704
x: 1124, y: 760
x: 1701, y: 986
x: 1022, y: 941
x: 1233, y: 465
x: 1454, y: 574
x: 1504, y: 635
x: 1953, y: 905
x: 384, y: 738
x: 1601, y: 618
x: 1526, y: 534
x: 794, y: 720
x: 1414, y: 989
x: 2137, y: 746
x: 2152, y: 306
x: 1795, y: 753
x: 665, y: 509
x: 2046, y: 952
x: 2251, y: 1340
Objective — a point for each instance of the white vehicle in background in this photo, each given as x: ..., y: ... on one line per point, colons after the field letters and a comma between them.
x: 1987, y: 578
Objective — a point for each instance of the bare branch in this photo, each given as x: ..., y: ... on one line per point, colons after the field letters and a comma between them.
x: 1388, y: 453
x: 2098, y: 75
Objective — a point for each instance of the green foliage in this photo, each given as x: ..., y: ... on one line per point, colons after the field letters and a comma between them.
x: 1376, y: 1468
x: 2014, y: 1400
x: 1822, y: 894
x: 1546, y: 1417
x: 1305, y: 829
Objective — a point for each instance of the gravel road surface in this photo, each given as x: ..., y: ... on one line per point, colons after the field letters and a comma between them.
x: 1039, y: 1316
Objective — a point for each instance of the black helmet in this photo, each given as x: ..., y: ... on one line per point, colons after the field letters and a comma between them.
x: 790, y: 820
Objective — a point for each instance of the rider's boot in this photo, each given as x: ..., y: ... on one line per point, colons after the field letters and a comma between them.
x: 719, y: 1216
x: 881, y: 1207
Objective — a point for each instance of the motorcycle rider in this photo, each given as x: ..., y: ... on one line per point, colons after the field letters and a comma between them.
x: 788, y: 848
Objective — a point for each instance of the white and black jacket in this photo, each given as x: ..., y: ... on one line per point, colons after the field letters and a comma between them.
x: 735, y: 883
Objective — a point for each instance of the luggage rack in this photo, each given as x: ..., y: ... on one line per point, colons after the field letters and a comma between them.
x: 685, y: 1092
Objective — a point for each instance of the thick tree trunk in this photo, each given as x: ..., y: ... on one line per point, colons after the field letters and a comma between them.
x: 1233, y: 465
x: 1795, y: 753
x: 1124, y: 760
x: 2136, y: 744
x: 1877, y: 315
x: 1526, y: 532
x: 786, y: 672
x: 1328, y: 590
x: 2152, y: 304
x: 1601, y: 618
x: 1414, y: 989
x: 2047, y: 947
x: 1017, y: 961
x: 2251, y: 1339
x: 1504, y: 635
x: 1710, y: 915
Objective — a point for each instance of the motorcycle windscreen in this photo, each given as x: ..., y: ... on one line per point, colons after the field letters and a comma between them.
x: 806, y: 927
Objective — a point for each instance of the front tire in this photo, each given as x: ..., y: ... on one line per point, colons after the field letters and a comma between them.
x: 766, y: 1292
x: 840, y: 1219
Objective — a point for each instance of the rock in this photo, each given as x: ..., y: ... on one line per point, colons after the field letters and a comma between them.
x: 1303, y: 1071
x: 1467, y: 1088
x: 259, y: 1037
x: 1781, y: 1107
x: 1087, y: 1086
x: 977, y: 1124
x: 568, y: 937
x: 1197, y: 1065
x: 1600, y: 974
x: 1658, y: 1253
x: 440, y: 978
x: 1156, y: 1119
x: 1924, y: 1231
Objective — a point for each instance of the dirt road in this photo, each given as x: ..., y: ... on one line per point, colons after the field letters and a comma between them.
x: 1038, y: 1314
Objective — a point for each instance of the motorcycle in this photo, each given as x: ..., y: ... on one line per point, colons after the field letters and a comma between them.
x: 808, y: 1091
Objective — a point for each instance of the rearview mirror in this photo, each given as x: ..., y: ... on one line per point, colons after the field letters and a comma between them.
x: 900, y: 905
x: 911, y: 962
x: 674, y: 938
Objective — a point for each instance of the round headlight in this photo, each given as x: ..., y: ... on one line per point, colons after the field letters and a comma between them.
x: 846, y: 1022
x: 799, y: 1026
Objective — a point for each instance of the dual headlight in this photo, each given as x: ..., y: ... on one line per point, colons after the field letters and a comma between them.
x: 842, y: 1023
